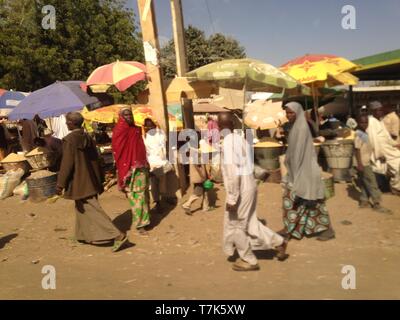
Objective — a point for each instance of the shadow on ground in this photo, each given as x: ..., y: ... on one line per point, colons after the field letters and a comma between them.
x: 7, y: 239
x: 124, y: 221
x: 353, y: 193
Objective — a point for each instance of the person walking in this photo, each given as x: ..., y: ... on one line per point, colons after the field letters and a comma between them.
x: 80, y: 178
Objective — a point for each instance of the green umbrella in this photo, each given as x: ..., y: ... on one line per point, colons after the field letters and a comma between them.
x: 246, y: 74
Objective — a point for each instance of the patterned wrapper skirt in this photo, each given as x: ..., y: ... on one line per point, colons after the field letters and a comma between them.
x: 137, y: 187
x: 299, y: 220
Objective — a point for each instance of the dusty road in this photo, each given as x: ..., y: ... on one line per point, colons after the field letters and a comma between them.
x: 182, y: 256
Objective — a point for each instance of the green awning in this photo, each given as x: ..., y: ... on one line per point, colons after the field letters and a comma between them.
x: 382, y: 66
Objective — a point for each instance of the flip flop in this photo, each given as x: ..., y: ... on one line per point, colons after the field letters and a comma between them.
x: 142, y: 232
x: 119, y: 243
x: 187, y: 211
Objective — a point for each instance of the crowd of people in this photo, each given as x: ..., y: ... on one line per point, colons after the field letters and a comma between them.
x: 141, y: 166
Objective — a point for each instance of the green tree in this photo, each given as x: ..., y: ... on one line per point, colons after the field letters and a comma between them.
x: 88, y: 34
x: 200, y: 50
x: 222, y: 47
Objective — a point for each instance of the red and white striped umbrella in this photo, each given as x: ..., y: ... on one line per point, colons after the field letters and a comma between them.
x: 121, y: 74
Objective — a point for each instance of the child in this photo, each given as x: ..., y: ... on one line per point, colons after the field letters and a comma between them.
x: 198, y: 174
x: 368, y: 184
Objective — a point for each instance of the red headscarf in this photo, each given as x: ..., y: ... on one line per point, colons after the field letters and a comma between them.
x: 129, y: 149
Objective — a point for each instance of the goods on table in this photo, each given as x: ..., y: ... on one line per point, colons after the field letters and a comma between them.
x: 268, y: 144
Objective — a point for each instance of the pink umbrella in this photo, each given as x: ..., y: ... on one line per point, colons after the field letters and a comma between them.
x: 121, y: 74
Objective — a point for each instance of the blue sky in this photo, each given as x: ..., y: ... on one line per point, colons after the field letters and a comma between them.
x: 276, y: 31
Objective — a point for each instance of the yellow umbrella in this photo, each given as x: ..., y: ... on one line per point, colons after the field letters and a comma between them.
x: 141, y: 112
x: 317, y: 69
x: 264, y: 115
x: 107, y: 114
x: 180, y: 86
x: 344, y: 78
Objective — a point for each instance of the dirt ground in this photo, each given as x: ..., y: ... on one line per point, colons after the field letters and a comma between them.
x: 182, y: 258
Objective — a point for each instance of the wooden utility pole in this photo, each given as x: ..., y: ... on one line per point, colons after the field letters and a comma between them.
x: 151, y: 50
x: 179, y: 37
x: 181, y: 69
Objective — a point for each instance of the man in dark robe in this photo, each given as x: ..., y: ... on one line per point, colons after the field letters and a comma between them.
x: 81, y: 179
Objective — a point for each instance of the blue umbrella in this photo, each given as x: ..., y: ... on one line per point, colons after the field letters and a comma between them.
x: 10, y: 99
x: 54, y: 100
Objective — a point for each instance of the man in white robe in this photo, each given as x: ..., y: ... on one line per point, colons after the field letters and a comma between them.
x: 242, y: 229
x: 155, y: 142
x: 386, y: 154
x: 392, y: 125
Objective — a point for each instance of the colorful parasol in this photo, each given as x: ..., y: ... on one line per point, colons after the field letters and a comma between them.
x: 319, y: 68
x: 107, y: 114
x: 121, y: 74
x: 141, y: 112
x: 249, y: 74
x: 319, y: 71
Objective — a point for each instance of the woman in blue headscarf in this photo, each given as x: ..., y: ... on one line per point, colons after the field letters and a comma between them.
x: 304, y: 208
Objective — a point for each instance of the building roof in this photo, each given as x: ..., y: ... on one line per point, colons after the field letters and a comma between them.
x: 382, y: 66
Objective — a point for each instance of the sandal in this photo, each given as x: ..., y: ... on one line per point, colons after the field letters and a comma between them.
x: 187, y: 211
x: 241, y: 265
x: 326, y: 235
x: 281, y: 254
x: 142, y: 232
x: 283, y: 233
x: 119, y: 243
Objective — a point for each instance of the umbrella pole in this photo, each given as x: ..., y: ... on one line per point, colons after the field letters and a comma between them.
x: 315, y: 99
x: 306, y: 100
x: 244, y: 102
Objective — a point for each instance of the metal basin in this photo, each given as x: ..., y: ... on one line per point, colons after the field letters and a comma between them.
x: 338, y: 153
x: 268, y: 157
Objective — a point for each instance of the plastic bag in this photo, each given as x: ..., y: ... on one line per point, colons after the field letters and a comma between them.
x: 21, y: 189
x: 9, y: 181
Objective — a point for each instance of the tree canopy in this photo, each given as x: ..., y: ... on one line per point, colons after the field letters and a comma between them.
x: 201, y: 50
x: 88, y: 34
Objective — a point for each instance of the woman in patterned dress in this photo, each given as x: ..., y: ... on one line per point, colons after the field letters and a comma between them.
x: 304, y: 208
x: 132, y: 167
